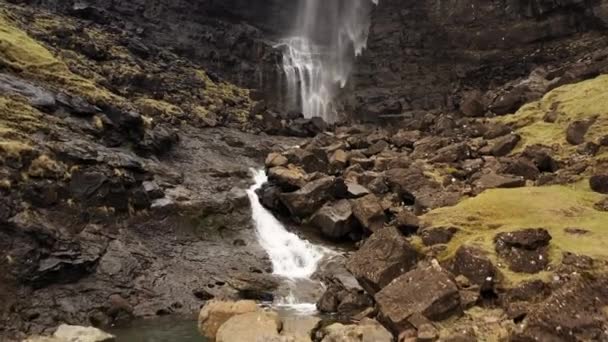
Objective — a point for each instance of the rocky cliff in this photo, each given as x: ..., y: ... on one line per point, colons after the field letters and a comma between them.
x: 425, y: 55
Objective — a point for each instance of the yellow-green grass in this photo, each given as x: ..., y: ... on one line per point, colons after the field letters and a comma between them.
x: 572, y: 102
x: 554, y: 208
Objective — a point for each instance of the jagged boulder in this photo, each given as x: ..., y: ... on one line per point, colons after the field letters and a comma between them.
x: 251, y: 326
x: 369, y: 212
x: 335, y: 220
x: 215, y: 313
x: 310, y: 198
x: 383, y: 257
x: 426, y: 290
x: 367, y: 330
x: 288, y: 178
x: 524, y: 250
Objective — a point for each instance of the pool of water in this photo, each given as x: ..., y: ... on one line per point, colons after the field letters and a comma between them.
x: 167, y: 329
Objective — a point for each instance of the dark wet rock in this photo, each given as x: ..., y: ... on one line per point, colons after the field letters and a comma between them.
x: 439, y: 235
x: 383, y: 257
x: 269, y: 196
x: 575, y: 134
x: 344, y: 301
x: 599, y: 183
x: 335, y: 220
x: 476, y: 265
x: 157, y: 141
x: 309, y: 161
x: 368, y: 211
x: 426, y: 290
x: 153, y: 190
x: 503, y: 146
x: 525, y: 250
x: 36, y: 96
x: 310, y: 198
x: 254, y: 286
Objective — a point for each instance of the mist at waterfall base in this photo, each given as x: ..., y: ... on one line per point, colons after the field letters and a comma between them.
x: 292, y: 258
x: 319, y: 53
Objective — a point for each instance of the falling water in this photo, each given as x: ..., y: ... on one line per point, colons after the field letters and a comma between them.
x: 291, y: 256
x: 318, y: 56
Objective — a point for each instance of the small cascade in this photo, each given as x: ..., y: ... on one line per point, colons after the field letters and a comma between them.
x: 318, y: 56
x: 291, y: 257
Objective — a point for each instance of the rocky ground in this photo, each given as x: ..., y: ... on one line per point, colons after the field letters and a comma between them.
x: 124, y: 155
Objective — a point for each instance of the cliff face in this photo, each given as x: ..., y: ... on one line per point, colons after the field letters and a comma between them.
x: 423, y: 55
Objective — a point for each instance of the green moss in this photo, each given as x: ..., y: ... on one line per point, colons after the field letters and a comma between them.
x: 18, y: 121
x: 554, y: 208
x: 572, y: 102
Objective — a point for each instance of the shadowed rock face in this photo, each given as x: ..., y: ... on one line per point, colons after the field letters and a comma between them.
x: 422, y: 54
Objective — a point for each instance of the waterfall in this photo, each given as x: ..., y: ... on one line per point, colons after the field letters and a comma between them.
x: 291, y: 256
x: 318, y: 56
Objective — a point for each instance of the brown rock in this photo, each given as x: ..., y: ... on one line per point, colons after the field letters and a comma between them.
x: 436, y: 236
x: 288, y: 178
x: 525, y: 250
x: 575, y: 134
x: 427, y: 290
x: 492, y: 180
x: 215, y: 313
x: 335, y: 219
x: 452, y: 153
x: 599, y: 183
x: 338, y: 161
x: 310, y: 198
x: 472, y: 104
x: 382, y: 258
x: 251, y: 326
x: 275, y: 159
x: 376, y: 148
x: 369, y: 212
x: 406, y: 138
x: 407, y: 222
x: 503, y: 146
x: 475, y: 264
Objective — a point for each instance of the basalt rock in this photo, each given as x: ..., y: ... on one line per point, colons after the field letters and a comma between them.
x: 382, y: 258
x: 525, y: 250
x: 310, y: 198
x: 368, y: 211
x: 335, y: 220
x: 599, y: 183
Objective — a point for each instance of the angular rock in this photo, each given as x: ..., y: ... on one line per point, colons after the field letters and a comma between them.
x: 599, y: 183
x: 275, y: 159
x: 474, y: 264
x: 602, y: 205
x: 335, y: 220
x: 576, y: 131
x: 376, y: 148
x: 472, y: 104
x: 503, y: 146
x: 406, y: 138
x: 354, y: 190
x: 309, y: 198
x: 521, y: 167
x: 383, y: 257
x: 300, y: 326
x: 436, y: 236
x: 367, y: 330
x: 541, y: 157
x: 310, y: 161
x: 426, y: 290
x: 251, y: 326
x: 338, y: 161
x: 407, y: 222
x: 288, y: 178
x: 369, y: 212
x: 452, y: 153
x: 215, y: 313
x: 492, y: 181
x: 525, y: 250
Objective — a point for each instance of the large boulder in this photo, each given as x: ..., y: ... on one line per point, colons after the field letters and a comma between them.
x: 335, y: 219
x: 476, y: 265
x: 369, y: 212
x: 576, y: 131
x: 524, y: 251
x: 310, y: 198
x: 367, y: 330
x: 599, y: 183
x: 75, y: 333
x: 426, y: 290
x: 288, y: 178
x: 504, y: 145
x: 252, y: 326
x: 382, y: 258
x: 215, y: 313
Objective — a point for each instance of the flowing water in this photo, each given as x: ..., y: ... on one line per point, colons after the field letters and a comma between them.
x: 292, y: 258
x: 319, y: 53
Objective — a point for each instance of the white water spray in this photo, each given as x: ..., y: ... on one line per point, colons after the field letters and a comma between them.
x: 319, y: 56
x: 291, y: 256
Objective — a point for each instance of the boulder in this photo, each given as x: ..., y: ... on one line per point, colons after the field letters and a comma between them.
x: 376, y: 148
x: 369, y: 212
x: 299, y: 326
x: 383, y: 257
x: 74, y: 333
x: 503, y: 146
x: 406, y: 138
x: 520, y: 167
x: 493, y: 180
x: 354, y: 190
x: 407, y: 222
x: 576, y: 131
x: 310, y: 198
x: 338, y: 161
x: 426, y: 290
x: 599, y: 183
x: 215, y: 313
x: 452, y: 153
x: 475, y: 264
x: 310, y: 161
x: 472, y: 104
x: 525, y: 251
x: 288, y: 178
x: 345, y: 301
x: 438, y: 235
x: 541, y: 157
x: 367, y: 330
x: 251, y: 326
x: 335, y: 220
x: 275, y: 159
